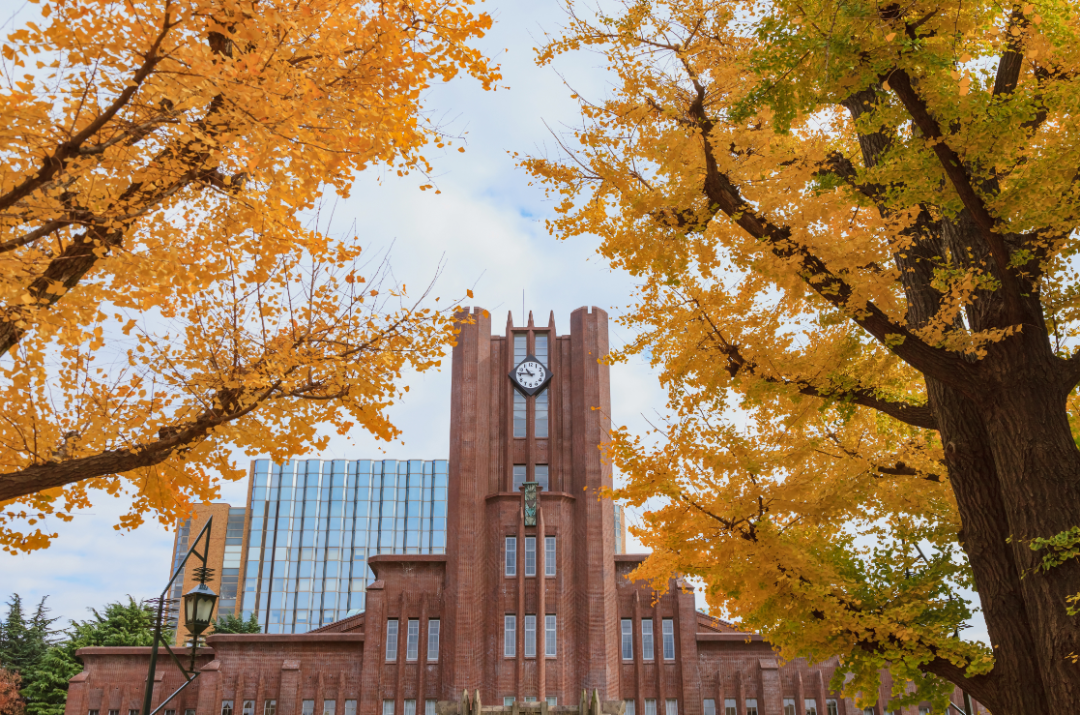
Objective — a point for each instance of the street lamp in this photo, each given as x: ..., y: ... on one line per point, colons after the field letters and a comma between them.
x: 198, y: 606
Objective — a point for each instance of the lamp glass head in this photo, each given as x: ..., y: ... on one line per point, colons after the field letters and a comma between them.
x: 198, y: 607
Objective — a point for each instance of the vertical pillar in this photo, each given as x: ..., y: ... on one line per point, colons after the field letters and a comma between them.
x: 519, y: 621
x: 635, y: 648
x: 210, y: 685
x: 772, y: 699
x: 541, y: 605
x: 471, y: 416
x: 374, y: 653
x: 686, y: 651
x: 594, y: 518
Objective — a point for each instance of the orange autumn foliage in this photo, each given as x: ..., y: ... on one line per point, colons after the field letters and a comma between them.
x: 164, y: 300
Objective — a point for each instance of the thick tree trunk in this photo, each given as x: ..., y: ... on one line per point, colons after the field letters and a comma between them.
x: 1015, y: 686
x: 1038, y: 471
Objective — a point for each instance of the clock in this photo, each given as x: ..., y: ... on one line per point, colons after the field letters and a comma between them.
x: 530, y: 376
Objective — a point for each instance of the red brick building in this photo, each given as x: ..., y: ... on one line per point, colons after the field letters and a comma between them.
x: 530, y: 599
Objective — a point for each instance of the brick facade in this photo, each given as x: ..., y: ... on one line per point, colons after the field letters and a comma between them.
x: 468, y: 591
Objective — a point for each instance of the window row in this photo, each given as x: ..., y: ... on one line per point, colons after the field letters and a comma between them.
x: 529, y: 651
x: 671, y: 707
x: 412, y: 639
x: 521, y: 415
x: 540, y: 476
x: 410, y: 707
x: 667, y: 626
x: 269, y: 708
x: 511, y: 559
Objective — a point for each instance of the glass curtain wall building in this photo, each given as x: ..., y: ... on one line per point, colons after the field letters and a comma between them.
x: 314, y: 524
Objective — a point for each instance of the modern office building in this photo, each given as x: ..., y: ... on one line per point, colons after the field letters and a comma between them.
x: 527, y: 600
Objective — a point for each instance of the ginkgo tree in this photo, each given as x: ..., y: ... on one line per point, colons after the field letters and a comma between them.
x: 855, y: 227
x: 165, y: 297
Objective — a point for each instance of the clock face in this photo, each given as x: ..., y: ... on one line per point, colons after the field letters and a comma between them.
x: 530, y: 376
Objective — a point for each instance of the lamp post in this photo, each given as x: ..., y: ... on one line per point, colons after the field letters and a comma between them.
x: 198, y: 607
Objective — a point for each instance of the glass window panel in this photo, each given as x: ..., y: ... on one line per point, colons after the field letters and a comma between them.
x: 530, y: 555
x: 669, y: 639
x: 433, y: 640
x: 540, y: 419
x: 627, y: 639
x: 429, y: 707
x: 521, y: 415
x: 509, y: 636
x: 789, y: 706
x: 810, y: 707
x: 329, y: 706
x: 387, y: 707
x: 391, y: 638
x: 521, y: 347
x: 631, y: 707
x: 410, y: 707
x: 831, y: 708
x: 709, y: 707
x: 540, y: 474
x: 729, y: 707
x: 540, y: 348
x: 530, y: 636
x: 412, y: 640
x: 751, y: 707
x: 549, y: 555
x: 671, y: 707
x: 511, y: 556
x: 647, y: 638
x: 307, y: 707
x: 650, y: 707
x: 550, y: 635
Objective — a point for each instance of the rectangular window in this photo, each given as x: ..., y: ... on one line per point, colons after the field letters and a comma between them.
x: 520, y: 473
x: 710, y: 707
x: 350, y: 707
x: 429, y: 707
x: 789, y: 706
x: 387, y: 707
x: 671, y: 707
x: 95, y: 712
x: 329, y: 706
x: 530, y: 555
x: 249, y: 707
x: 391, y: 638
x: 729, y: 707
x: 631, y: 707
x: 133, y: 711
x: 410, y: 707
x: 650, y: 707
x: 270, y: 707
x: 627, y: 639
x: 751, y: 707
x: 511, y: 556
x: 540, y: 419
x: 647, y: 639
x: 521, y: 347
x: 189, y: 711
x: 540, y: 475
x: 412, y: 640
x: 549, y: 636
x: 307, y: 707
x: 923, y: 709
x: 508, y: 701
x: 509, y: 636
x: 521, y: 417
x: 226, y: 707
x: 669, y: 638
x: 169, y: 712
x: 549, y: 555
x: 810, y: 707
x: 540, y: 349
x: 831, y: 708
x: 433, y: 640
x: 530, y: 636
x: 552, y: 701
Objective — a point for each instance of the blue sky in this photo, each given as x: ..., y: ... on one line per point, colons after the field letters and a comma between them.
x: 486, y: 224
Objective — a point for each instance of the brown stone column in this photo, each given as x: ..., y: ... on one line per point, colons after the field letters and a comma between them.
x: 471, y: 430
x: 686, y: 652
x: 519, y: 621
x: 594, y: 518
x: 374, y: 653
x: 541, y: 605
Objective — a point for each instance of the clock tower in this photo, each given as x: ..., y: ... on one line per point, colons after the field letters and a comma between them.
x: 528, y: 534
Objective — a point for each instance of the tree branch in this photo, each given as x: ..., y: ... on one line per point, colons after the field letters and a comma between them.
x: 724, y: 195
